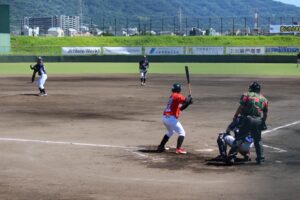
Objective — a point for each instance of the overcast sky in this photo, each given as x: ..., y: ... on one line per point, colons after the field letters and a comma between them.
x: 294, y: 2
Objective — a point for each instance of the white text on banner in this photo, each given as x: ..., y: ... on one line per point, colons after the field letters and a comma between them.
x: 122, y: 50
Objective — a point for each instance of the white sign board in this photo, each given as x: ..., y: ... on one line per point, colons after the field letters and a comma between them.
x: 245, y: 50
x: 284, y: 28
x: 81, y: 50
x: 122, y: 50
x: 204, y: 50
x: 164, y: 50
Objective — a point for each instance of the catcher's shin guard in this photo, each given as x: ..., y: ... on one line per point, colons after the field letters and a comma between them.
x: 222, y: 145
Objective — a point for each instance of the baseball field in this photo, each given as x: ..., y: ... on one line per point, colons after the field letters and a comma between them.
x: 94, y: 135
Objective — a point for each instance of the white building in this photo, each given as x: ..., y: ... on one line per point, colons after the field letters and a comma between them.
x: 31, y: 31
x: 56, y: 32
x: 68, y: 22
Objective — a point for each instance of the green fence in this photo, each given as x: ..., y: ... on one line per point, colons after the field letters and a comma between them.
x: 170, y: 59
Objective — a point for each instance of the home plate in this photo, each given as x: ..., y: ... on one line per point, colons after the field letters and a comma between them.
x: 204, y: 150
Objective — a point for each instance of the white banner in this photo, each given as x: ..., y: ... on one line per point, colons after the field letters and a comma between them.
x: 164, y: 50
x: 204, y: 50
x: 122, y: 50
x: 284, y: 28
x: 245, y: 50
x: 81, y: 50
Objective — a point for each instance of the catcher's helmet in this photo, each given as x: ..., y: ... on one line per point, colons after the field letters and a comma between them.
x: 254, y: 87
x: 176, y: 87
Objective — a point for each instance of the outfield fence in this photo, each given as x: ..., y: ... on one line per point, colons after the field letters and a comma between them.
x: 153, y: 50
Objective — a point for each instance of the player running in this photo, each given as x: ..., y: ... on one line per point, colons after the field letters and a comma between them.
x: 40, y: 69
x: 143, y: 67
x: 177, y: 102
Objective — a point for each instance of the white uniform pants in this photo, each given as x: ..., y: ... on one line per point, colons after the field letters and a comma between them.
x: 173, y: 126
x: 243, y: 147
x: 41, y: 81
x: 143, y: 74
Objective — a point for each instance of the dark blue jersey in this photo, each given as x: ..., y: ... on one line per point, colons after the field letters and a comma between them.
x: 40, y: 69
x: 298, y: 56
x: 144, y: 64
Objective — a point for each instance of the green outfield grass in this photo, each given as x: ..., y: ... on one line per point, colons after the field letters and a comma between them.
x: 159, y: 68
x: 25, y: 45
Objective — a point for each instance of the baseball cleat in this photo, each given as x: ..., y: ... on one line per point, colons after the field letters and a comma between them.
x: 180, y: 151
x: 162, y: 149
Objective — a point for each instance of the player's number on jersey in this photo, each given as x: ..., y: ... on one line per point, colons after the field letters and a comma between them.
x: 168, y: 108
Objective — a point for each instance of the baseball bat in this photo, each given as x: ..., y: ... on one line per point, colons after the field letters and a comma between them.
x: 187, y: 73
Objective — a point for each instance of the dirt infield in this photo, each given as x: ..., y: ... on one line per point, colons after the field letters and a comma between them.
x: 93, y: 137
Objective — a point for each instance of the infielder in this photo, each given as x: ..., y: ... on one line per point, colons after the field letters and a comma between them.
x: 177, y: 102
x: 298, y: 59
x: 40, y: 69
x: 143, y: 67
x: 253, y: 110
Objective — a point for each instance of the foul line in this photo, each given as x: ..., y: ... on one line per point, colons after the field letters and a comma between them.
x: 279, y: 150
x: 280, y: 127
x: 68, y: 143
x: 129, y: 147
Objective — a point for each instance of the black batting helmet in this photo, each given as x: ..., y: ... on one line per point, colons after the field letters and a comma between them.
x: 176, y: 87
x: 254, y: 87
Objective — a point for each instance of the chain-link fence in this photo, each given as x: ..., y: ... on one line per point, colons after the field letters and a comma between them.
x: 177, y: 25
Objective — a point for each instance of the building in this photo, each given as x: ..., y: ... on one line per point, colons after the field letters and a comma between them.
x: 45, y: 23
x: 56, y: 32
x: 68, y: 22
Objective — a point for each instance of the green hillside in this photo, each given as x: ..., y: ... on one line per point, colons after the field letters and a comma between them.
x: 97, y: 10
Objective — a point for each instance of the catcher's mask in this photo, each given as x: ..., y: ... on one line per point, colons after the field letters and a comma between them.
x: 176, y: 87
x: 254, y: 87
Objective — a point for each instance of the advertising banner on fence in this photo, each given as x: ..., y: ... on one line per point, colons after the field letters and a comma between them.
x: 282, y: 49
x: 284, y: 28
x: 204, y: 50
x: 81, y: 50
x: 245, y: 50
x: 164, y: 50
x: 122, y: 50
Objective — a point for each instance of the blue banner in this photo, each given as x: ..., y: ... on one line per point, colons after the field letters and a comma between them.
x: 282, y: 49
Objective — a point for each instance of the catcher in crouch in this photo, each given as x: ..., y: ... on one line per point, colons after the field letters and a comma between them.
x: 242, y: 145
x: 170, y: 118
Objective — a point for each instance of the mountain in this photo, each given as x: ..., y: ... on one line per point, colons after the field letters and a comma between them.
x: 163, y: 11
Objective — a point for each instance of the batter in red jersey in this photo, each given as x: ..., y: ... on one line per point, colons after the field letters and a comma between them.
x: 177, y: 102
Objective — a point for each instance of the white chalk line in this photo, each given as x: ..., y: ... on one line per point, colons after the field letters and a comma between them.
x: 131, y: 148
x: 67, y: 143
x: 280, y: 127
x: 278, y: 150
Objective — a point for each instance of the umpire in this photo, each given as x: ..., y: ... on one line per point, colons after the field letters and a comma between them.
x: 143, y: 67
x: 253, y: 109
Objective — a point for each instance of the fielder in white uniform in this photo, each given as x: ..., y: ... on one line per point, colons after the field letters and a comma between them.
x: 40, y: 69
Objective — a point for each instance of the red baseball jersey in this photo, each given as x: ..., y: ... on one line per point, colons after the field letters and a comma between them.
x: 173, y: 106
